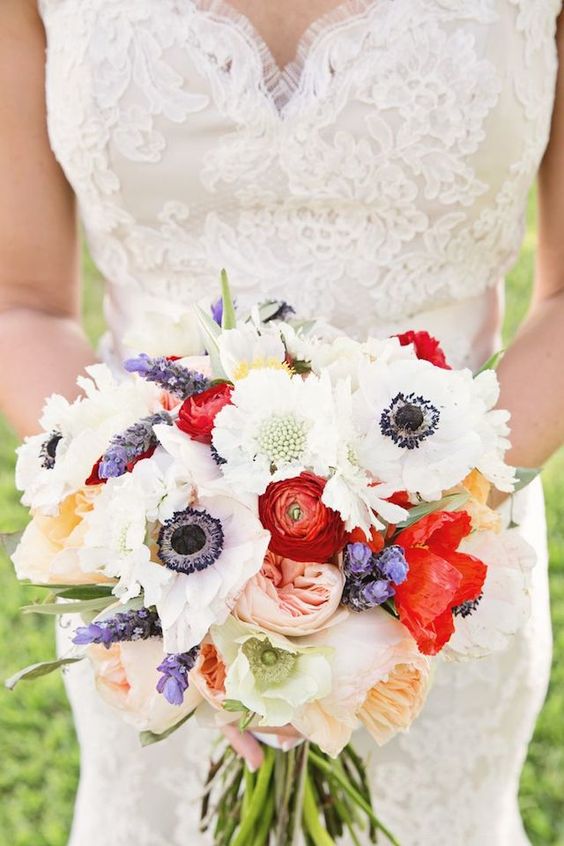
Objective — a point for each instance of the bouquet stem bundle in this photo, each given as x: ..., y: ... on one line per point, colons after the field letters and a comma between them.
x: 298, y: 796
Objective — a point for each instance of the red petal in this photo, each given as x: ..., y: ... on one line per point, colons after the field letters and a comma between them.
x: 430, y: 588
x: 147, y: 454
x: 94, y: 478
x: 375, y: 541
x: 441, y: 528
x: 431, y: 639
x: 473, y: 572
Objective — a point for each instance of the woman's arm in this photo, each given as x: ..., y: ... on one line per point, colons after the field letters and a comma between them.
x: 532, y: 371
x: 42, y: 345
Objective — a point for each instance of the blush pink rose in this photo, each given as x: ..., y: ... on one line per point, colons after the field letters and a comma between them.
x: 292, y: 598
x: 126, y: 678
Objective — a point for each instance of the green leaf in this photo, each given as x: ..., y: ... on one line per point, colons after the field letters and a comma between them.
x: 229, y: 318
x: 491, y: 363
x: 147, y: 738
x: 9, y: 541
x: 59, y: 608
x: 451, y: 502
x: 35, y: 671
x: 210, y: 334
x: 60, y: 590
x: 84, y: 592
x: 524, y: 477
x: 234, y: 706
x: 299, y: 366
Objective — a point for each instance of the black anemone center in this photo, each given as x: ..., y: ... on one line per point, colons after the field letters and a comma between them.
x: 52, y: 444
x: 409, y: 417
x: 188, y: 540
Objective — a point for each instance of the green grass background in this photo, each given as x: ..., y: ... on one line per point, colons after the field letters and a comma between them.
x: 38, y: 751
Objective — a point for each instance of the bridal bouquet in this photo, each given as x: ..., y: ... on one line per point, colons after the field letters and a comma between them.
x: 283, y: 530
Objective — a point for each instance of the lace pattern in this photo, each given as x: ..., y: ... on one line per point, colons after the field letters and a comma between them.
x: 368, y: 161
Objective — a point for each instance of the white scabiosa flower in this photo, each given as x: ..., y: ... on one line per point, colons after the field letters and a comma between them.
x: 487, y: 625
x: 56, y: 463
x: 269, y: 674
x: 425, y: 428
x: 276, y: 426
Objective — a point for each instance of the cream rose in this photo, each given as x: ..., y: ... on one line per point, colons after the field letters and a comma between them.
x: 379, y: 677
x: 126, y: 678
x: 291, y: 597
x: 48, y: 552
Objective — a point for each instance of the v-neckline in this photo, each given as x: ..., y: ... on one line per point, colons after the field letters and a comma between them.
x: 281, y: 84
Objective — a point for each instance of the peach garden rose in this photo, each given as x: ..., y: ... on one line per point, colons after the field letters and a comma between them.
x: 291, y: 597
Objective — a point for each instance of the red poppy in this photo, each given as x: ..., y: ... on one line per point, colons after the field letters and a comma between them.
x: 426, y: 347
x: 96, y: 479
x: 440, y: 578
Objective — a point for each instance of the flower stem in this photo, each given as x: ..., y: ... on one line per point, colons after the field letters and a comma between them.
x: 335, y: 774
x: 257, y: 802
x: 313, y: 826
x: 295, y: 826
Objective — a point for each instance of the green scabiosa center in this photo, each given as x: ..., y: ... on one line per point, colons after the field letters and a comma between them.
x: 269, y: 665
x: 282, y: 439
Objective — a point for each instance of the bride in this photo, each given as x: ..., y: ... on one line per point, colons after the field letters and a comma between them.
x: 368, y: 161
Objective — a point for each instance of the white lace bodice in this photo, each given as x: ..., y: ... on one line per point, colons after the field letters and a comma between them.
x: 380, y: 181
x: 382, y: 175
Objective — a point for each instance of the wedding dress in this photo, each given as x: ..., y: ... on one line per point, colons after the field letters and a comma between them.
x: 380, y: 180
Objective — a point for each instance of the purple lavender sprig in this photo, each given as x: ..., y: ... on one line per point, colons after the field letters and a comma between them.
x: 123, y: 626
x: 169, y: 374
x: 174, y: 683
x: 131, y: 444
x: 370, y: 578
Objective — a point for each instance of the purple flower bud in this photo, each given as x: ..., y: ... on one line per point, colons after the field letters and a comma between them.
x: 358, y: 560
x: 174, y: 680
x: 367, y: 594
x: 141, y: 364
x: 217, y: 311
x: 377, y: 592
x: 392, y: 563
x: 114, y: 462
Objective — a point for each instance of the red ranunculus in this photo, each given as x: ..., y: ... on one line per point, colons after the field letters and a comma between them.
x: 439, y: 579
x: 426, y: 347
x: 96, y: 479
x: 301, y: 526
x: 197, y: 413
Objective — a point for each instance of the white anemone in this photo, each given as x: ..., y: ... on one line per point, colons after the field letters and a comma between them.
x: 426, y: 427
x: 190, y: 555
